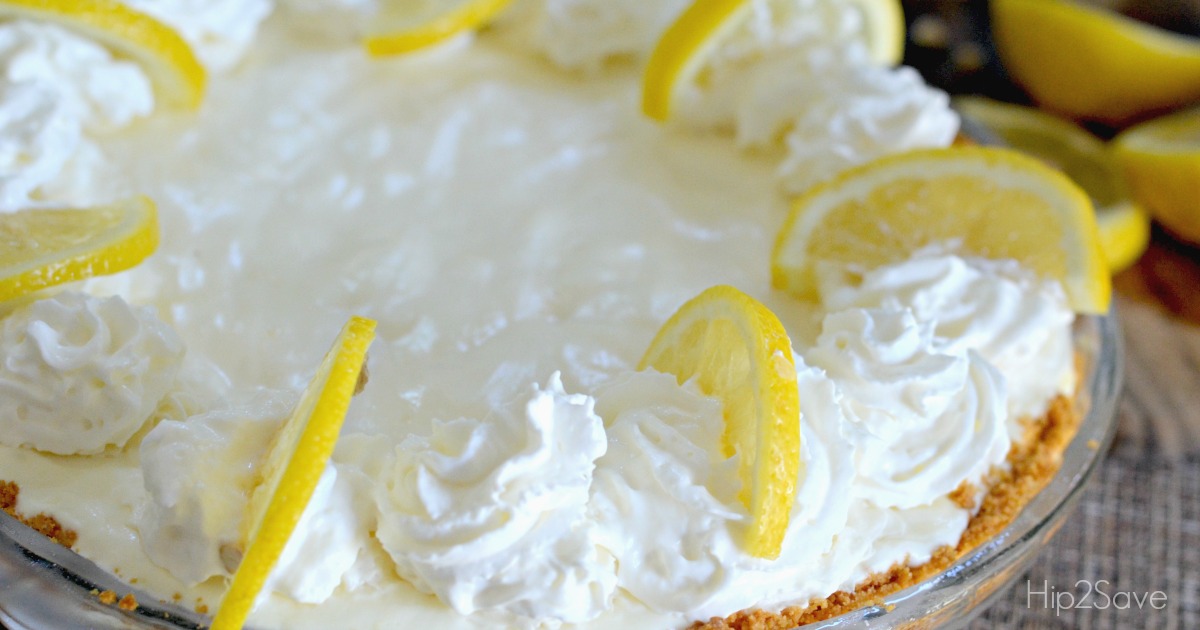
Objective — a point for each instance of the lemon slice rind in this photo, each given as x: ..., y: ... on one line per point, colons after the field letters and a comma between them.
x: 468, y: 15
x: 293, y: 466
x: 178, y: 77
x: 686, y: 45
x: 44, y: 248
x: 1161, y: 160
x: 1092, y: 62
x: 709, y: 339
x: 683, y: 49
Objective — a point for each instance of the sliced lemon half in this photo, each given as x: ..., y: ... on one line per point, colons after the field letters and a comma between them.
x: 1124, y: 225
x: 685, y: 47
x: 1161, y: 160
x: 292, y: 467
x: 1090, y: 62
x: 987, y: 202
x: 737, y: 350
x: 423, y: 23
x: 43, y: 248
x: 178, y: 77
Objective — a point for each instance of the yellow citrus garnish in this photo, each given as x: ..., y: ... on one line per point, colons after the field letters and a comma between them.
x: 292, y: 467
x: 1161, y: 160
x: 736, y: 350
x: 423, y: 23
x: 1089, y: 62
x: 1124, y: 226
x: 177, y: 76
x: 47, y: 247
x: 987, y: 202
x: 685, y: 47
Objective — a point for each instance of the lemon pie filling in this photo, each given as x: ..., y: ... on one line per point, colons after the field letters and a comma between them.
x: 519, y: 234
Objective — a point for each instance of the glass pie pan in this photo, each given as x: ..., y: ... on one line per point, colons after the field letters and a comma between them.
x: 44, y: 585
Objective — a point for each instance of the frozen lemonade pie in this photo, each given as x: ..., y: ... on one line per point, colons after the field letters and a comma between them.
x: 653, y: 313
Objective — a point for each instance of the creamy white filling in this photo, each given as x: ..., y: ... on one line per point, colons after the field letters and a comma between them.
x: 80, y: 374
x: 56, y: 89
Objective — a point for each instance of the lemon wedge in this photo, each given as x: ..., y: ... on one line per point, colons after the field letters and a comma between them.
x: 292, y: 467
x: 1161, y: 160
x: 684, y: 48
x: 177, y: 76
x: 423, y: 23
x: 48, y: 247
x: 1124, y: 225
x: 988, y: 202
x: 1089, y: 62
x: 736, y: 350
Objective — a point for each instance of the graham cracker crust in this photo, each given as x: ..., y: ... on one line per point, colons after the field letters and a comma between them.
x: 43, y: 524
x: 1033, y: 462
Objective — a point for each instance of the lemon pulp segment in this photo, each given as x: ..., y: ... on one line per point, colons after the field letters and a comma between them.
x: 42, y: 248
x: 1124, y: 225
x: 987, y: 202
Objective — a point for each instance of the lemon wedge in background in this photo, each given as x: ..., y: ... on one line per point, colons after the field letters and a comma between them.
x: 1124, y: 225
x: 988, y: 202
x: 686, y: 45
x: 47, y: 247
x: 423, y: 23
x: 737, y: 350
x: 177, y: 75
x: 1161, y: 161
x: 293, y: 465
x: 1089, y: 62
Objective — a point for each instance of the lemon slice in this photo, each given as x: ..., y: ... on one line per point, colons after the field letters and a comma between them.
x: 1090, y: 62
x: 423, y: 23
x: 736, y: 349
x: 292, y: 467
x: 988, y: 202
x: 686, y: 45
x: 48, y: 247
x: 1124, y: 225
x: 168, y: 60
x: 1161, y: 160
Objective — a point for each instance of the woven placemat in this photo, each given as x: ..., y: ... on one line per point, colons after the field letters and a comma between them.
x: 1136, y: 531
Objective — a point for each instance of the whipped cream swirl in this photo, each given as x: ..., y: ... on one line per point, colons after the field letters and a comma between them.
x: 923, y: 422
x: 56, y: 87
x: 800, y: 70
x: 80, y: 373
x: 1005, y: 313
x: 198, y: 473
x: 219, y: 31
x: 584, y: 34
x: 491, y: 514
x: 666, y: 501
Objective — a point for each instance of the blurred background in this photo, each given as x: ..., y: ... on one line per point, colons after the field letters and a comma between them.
x: 1109, y: 89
